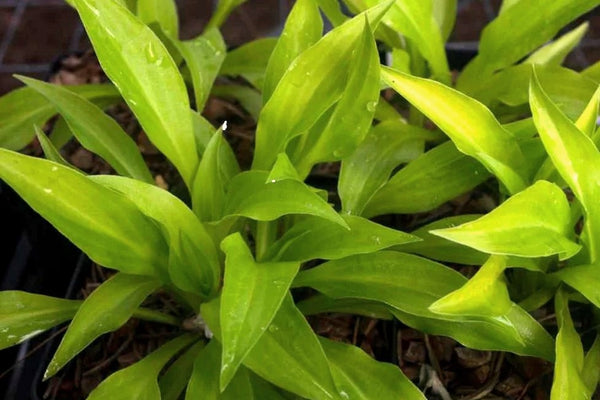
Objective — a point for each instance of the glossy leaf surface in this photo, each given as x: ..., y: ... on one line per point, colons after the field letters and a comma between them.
x: 522, y: 226
x: 314, y: 238
x: 164, y: 12
x: 252, y: 294
x: 104, y: 224
x: 583, y: 278
x: 554, y: 53
x: 470, y: 125
x: 50, y: 152
x: 105, y: 310
x: 24, y: 315
x: 140, y: 66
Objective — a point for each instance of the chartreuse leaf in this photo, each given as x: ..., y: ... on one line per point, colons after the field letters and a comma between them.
x: 61, y: 133
x: 303, y: 28
x: 518, y: 30
x: 386, y: 146
x: 415, y: 20
x: 470, y: 125
x: 314, y: 238
x: 409, y: 285
x: 224, y: 8
x: 24, y: 107
x: 249, y: 98
x: 265, y: 390
x: 147, y: 77
x: 249, y: 196
x: 591, y: 366
x: 283, y: 169
x: 575, y: 156
x: 204, y: 383
x: 252, y: 294
x: 250, y: 61
x: 444, y: 12
x: 104, y: 224
x: 288, y: 354
x: 216, y: 169
x: 196, y: 269
x: 484, y: 295
x: 339, y: 131
x: 105, y: 310
x: 522, y: 226
x: 583, y: 278
x: 25, y: 315
x: 95, y: 130
x: 139, y: 381
x: 50, y: 151
x: 554, y: 53
x: 427, y: 182
x: 359, y: 376
x: 203, y: 56
x: 163, y: 12
x: 568, y: 381
x: 298, y: 102
x: 174, y: 381
x: 319, y: 303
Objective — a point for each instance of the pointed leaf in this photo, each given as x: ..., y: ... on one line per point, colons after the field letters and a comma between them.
x: 175, y: 380
x: 444, y: 12
x: 554, y: 53
x: 147, y: 77
x: 249, y: 196
x: 521, y: 226
x: 583, y: 278
x: 204, y: 383
x: 314, y: 238
x: 470, y: 125
x: 24, y: 107
x: 252, y: 294
x: 139, y: 381
x: 164, y: 12
x: 25, y: 315
x: 302, y: 29
x: 107, y: 309
x: 197, y: 269
x: 591, y: 366
x: 358, y: 376
x: 95, y: 130
x: 224, y: 8
x: 427, y: 182
x: 250, y: 60
x: 50, y: 152
x: 102, y: 223
x: 282, y: 170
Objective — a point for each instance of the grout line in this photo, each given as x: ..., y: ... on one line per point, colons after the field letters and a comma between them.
x: 12, y: 28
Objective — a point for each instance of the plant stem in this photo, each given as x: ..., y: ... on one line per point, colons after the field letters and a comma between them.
x: 265, y: 236
x: 156, y: 316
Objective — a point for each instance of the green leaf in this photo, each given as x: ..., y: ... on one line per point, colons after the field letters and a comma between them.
x: 575, y: 156
x: 444, y: 12
x: 174, y: 381
x: 282, y: 170
x: 554, y: 53
x: 196, y: 269
x: 204, y: 383
x: 568, y: 381
x: 517, y: 31
x: 409, y: 285
x: 583, y: 278
x: 50, y: 151
x: 415, y: 20
x: 319, y: 304
x: 249, y: 98
x: 250, y: 61
x: 25, y: 315
x: 224, y: 8
x: 523, y: 225
x: 265, y: 390
x: 470, y: 125
x: 140, y: 66
x: 252, y: 294
x: 216, y: 169
x: 340, y: 131
x: 484, y: 295
x: 385, y: 147
x: 427, y: 182
x: 298, y: 102
x: 107, y: 309
x: 302, y: 29
x: 163, y: 12
x: 203, y: 56
x: 249, y: 196
x: 61, y: 133
x: 22, y: 108
x: 139, y: 381
x: 102, y: 223
x: 314, y: 238
x: 95, y: 130
x: 591, y: 366
x: 288, y: 354
x: 358, y: 376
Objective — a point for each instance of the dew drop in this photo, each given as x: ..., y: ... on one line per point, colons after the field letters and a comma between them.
x: 47, y: 190
x: 273, y: 180
x: 54, y: 168
x: 344, y: 395
x: 224, y: 126
x: 273, y: 328
x: 371, y: 106
x: 337, y: 153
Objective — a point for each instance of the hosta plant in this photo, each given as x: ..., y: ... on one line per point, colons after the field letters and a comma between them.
x: 241, y: 247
